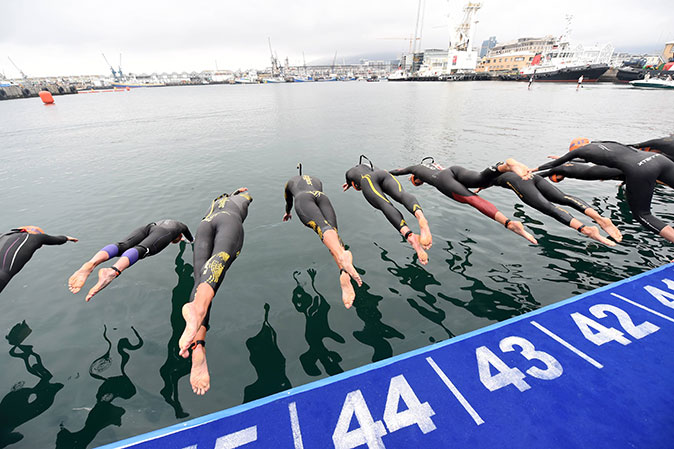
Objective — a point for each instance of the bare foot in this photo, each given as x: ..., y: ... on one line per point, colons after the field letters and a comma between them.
x: 518, y: 168
x: 593, y: 233
x: 608, y: 226
x: 426, y: 239
x: 77, y: 280
x: 348, y: 295
x: 199, y: 377
x: 518, y: 228
x: 414, y: 241
x: 105, y: 276
x: 192, y: 324
x: 346, y: 259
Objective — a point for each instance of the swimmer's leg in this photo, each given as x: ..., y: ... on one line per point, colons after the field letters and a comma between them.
x: 392, y: 187
x: 515, y: 226
x: 107, y: 275
x: 194, y: 313
x: 555, y: 195
x: 414, y: 240
x: 77, y: 280
x: 590, y: 231
x: 200, y: 379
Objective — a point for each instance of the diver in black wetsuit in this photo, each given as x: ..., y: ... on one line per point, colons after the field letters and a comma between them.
x: 538, y: 193
x: 315, y: 211
x: 641, y: 170
x: 454, y: 183
x: 375, y: 184
x: 218, y: 243
x: 18, y: 246
x: 663, y: 145
x: 145, y: 241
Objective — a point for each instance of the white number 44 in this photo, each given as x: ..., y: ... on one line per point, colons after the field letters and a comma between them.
x: 370, y: 431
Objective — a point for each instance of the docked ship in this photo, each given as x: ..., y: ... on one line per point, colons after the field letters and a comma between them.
x: 564, y: 63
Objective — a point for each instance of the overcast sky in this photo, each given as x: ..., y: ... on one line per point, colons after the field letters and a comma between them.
x: 48, y: 37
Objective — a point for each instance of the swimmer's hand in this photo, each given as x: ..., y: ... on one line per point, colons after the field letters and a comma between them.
x: 287, y: 217
x: 185, y: 239
x: 478, y: 190
x: 240, y: 190
x: 71, y: 239
x: 345, y: 186
x: 553, y: 157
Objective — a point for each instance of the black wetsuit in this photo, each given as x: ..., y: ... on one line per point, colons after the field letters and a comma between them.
x: 454, y: 183
x: 586, y: 172
x: 17, y: 247
x: 219, y: 240
x: 312, y: 206
x: 149, y: 240
x: 539, y: 193
x: 375, y: 184
x: 641, y: 169
x: 664, y: 145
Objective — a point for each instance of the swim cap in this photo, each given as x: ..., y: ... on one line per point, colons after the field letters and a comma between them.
x: 556, y: 178
x: 416, y: 181
x: 578, y: 142
x: 31, y: 229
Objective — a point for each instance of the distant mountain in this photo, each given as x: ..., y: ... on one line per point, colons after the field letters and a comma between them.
x: 356, y: 59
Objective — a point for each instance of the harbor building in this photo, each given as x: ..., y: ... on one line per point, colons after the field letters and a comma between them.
x: 515, y: 55
x: 668, y: 52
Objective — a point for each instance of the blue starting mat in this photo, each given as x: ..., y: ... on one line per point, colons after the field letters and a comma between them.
x: 594, y: 371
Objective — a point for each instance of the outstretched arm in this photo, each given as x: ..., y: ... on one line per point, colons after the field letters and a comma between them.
x: 47, y: 239
x: 186, y: 233
x: 403, y: 171
x: 561, y: 160
x: 289, y: 202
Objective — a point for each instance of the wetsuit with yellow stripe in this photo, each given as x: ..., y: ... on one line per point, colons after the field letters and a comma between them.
x: 454, y: 182
x: 375, y: 185
x: 312, y: 206
x: 16, y: 249
x: 539, y: 193
x: 219, y: 240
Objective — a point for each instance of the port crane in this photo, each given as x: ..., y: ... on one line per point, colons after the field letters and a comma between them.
x: 112, y: 69
x: 23, y: 75
x: 275, y: 69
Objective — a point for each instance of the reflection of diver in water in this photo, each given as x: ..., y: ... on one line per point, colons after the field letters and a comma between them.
x: 315, y: 310
x: 175, y: 366
x: 104, y: 413
x: 23, y: 403
x: 374, y: 333
x: 418, y: 279
x: 509, y: 299
x: 268, y: 361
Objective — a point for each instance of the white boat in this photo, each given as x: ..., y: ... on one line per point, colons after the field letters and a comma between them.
x: 654, y: 83
x: 274, y: 80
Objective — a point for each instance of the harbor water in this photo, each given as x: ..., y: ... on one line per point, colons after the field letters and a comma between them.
x: 98, y: 166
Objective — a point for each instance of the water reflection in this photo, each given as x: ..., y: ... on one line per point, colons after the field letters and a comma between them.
x: 417, y: 278
x: 507, y: 299
x: 23, y: 403
x: 268, y: 361
x: 374, y: 333
x: 176, y: 367
x: 315, y: 310
x: 104, y: 413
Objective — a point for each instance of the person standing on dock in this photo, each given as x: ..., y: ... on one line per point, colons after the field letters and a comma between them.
x: 642, y: 170
x: 18, y: 246
x: 454, y: 182
x: 218, y: 243
x: 375, y: 184
x: 145, y: 241
x: 316, y: 212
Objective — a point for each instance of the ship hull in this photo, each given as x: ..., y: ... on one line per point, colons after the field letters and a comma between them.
x: 590, y: 73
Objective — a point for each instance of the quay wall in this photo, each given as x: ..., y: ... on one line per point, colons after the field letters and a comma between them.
x: 17, y: 91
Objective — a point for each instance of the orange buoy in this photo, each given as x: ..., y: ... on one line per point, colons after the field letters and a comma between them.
x: 46, y: 97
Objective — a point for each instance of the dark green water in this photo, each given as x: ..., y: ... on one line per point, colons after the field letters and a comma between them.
x: 97, y: 166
